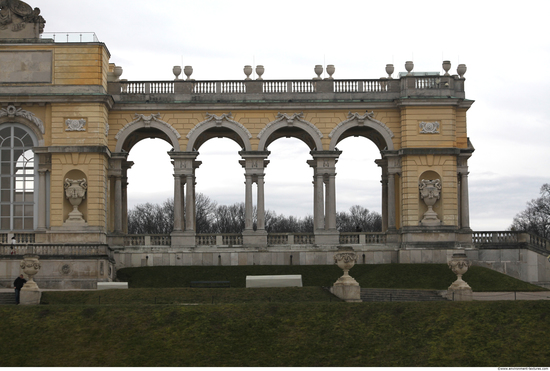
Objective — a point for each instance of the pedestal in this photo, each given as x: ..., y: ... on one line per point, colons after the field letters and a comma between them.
x: 30, y: 296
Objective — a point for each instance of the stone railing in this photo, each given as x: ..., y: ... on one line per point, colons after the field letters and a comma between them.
x: 510, y: 238
x: 362, y: 238
x: 55, y: 250
x: 268, y: 90
x: 495, y: 237
x: 147, y: 240
x: 19, y: 237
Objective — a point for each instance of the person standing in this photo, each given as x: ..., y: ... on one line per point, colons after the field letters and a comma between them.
x: 18, y: 284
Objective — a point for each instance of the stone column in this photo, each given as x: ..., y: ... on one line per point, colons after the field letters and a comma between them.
x: 185, y: 164
x: 118, y: 161
x: 318, y: 201
x: 331, y: 203
x: 464, y: 202
x: 190, y: 204
x: 118, y: 204
x: 248, y: 207
x: 254, y: 163
x: 324, y: 169
x: 464, y: 191
x: 42, y: 200
x: 391, y: 202
x: 261, y: 203
x: 177, y: 204
x: 384, y: 181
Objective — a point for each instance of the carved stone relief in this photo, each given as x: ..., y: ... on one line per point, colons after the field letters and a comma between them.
x: 429, y: 127
x: 430, y: 192
x: 12, y: 111
x: 75, y: 125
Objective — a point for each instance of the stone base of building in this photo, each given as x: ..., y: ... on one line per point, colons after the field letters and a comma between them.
x: 327, y: 237
x: 183, y: 239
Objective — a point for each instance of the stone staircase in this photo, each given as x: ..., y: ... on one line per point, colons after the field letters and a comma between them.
x: 7, y: 298
x: 400, y: 295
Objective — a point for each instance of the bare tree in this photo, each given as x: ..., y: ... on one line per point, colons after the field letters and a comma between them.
x: 358, y: 219
x: 536, y: 217
x: 151, y: 218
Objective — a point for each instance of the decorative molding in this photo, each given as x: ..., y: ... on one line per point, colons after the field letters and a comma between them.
x: 147, y: 120
x: 75, y: 125
x: 106, y: 129
x: 12, y: 111
x: 429, y: 127
x: 218, y: 120
x: 368, y: 116
x: 290, y: 122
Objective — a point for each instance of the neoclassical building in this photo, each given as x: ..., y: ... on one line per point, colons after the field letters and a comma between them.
x: 68, y: 122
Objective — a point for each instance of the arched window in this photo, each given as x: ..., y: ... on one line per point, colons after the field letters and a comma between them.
x: 17, y: 178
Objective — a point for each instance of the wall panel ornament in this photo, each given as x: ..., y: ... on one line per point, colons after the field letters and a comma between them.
x: 12, y: 111
x: 75, y: 125
x: 429, y: 127
x: 218, y: 120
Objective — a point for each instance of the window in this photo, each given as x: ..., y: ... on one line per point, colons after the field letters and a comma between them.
x: 17, y: 178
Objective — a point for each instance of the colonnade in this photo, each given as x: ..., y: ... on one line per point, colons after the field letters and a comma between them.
x: 254, y: 163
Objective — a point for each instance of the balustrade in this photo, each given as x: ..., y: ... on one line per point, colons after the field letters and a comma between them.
x: 55, y: 250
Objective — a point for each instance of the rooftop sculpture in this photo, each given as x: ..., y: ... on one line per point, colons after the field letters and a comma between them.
x: 18, y: 20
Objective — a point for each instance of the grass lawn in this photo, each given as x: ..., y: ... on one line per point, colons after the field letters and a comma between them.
x: 442, y: 334
x: 161, y: 322
x: 397, y: 276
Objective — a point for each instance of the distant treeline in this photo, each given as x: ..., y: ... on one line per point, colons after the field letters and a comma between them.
x: 213, y: 218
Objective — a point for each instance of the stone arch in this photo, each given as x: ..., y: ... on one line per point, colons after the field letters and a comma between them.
x: 363, y: 125
x: 219, y: 126
x: 291, y: 126
x: 13, y: 115
x: 153, y: 121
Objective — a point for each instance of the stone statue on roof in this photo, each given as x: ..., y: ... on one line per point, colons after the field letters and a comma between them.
x: 18, y: 20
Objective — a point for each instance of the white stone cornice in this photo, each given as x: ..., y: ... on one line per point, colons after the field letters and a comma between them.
x: 290, y: 122
x: 147, y: 121
x: 219, y: 120
x: 12, y: 111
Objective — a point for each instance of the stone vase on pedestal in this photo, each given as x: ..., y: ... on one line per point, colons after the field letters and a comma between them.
x: 75, y: 191
x: 430, y: 192
x: 459, y: 289
x: 346, y: 287
x: 30, y: 293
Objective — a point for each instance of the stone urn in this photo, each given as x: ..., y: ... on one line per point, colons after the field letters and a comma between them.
x: 446, y: 67
x: 459, y: 289
x: 188, y: 71
x: 430, y: 192
x: 389, y: 70
x: 177, y: 72
x: 260, y: 71
x: 318, y: 71
x: 409, y: 65
x: 330, y: 70
x: 248, y: 72
x: 346, y: 287
x: 461, y: 70
x: 117, y: 72
x: 30, y: 265
x: 75, y: 191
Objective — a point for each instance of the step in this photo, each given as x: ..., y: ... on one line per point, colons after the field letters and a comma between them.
x: 400, y: 295
x: 7, y: 298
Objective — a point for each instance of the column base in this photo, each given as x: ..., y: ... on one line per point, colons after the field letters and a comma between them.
x: 327, y: 237
x: 183, y: 239
x: 255, y: 238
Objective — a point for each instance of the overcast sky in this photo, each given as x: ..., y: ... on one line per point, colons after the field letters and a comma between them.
x: 505, y: 46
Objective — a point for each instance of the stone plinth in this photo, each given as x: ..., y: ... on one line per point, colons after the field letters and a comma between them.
x: 350, y: 293
x: 30, y: 296
x: 274, y: 281
x: 346, y: 287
